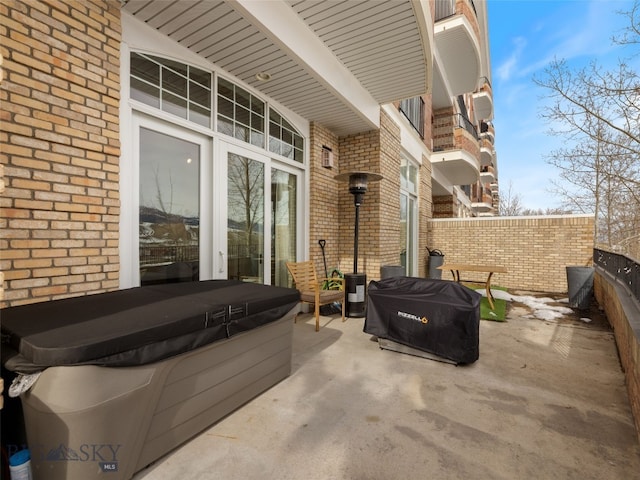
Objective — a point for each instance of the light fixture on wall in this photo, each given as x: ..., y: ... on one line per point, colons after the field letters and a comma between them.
x: 356, y: 282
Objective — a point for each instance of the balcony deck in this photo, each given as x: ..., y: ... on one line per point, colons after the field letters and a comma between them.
x: 546, y: 399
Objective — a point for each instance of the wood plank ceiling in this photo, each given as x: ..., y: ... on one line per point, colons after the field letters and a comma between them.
x: 380, y: 43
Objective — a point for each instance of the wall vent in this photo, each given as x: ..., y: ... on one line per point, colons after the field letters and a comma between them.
x: 327, y: 157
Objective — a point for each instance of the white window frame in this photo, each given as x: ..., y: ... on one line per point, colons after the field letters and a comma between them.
x: 140, y: 37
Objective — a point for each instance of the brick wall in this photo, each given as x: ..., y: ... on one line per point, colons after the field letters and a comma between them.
x: 425, y: 212
x: 387, y: 244
x: 324, y: 199
x: 444, y: 206
x: 624, y: 317
x: 359, y: 152
x: 60, y: 148
x: 1, y: 194
x: 376, y: 151
x: 535, y: 250
x: 464, y: 7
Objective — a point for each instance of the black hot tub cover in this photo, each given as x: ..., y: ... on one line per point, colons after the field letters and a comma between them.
x: 138, y: 325
x: 436, y: 316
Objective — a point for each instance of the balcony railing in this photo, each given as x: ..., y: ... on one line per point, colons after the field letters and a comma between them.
x: 413, y: 109
x: 622, y: 268
x: 155, y: 255
x: 482, y: 82
x: 464, y: 122
x: 447, y: 8
x: 443, y: 127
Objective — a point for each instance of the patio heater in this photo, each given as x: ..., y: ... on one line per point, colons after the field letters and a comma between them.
x: 356, y: 282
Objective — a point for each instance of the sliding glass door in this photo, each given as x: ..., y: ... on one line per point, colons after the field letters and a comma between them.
x: 261, y: 234
x: 202, y: 213
x: 284, y: 191
x: 245, y: 218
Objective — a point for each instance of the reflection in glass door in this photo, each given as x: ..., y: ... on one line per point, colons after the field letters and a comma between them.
x: 407, y: 234
x: 283, y: 225
x: 169, y: 213
x: 408, y: 216
x: 245, y: 219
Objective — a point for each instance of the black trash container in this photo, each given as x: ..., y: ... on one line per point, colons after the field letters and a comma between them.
x: 580, y: 285
x: 390, y: 271
x: 436, y: 259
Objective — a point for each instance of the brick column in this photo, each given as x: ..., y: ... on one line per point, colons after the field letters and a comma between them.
x: 376, y: 151
x: 324, y: 211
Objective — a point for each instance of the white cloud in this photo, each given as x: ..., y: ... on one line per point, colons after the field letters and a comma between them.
x: 505, y: 71
x: 586, y: 33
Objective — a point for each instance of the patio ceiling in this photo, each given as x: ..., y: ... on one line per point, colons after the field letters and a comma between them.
x: 330, y: 62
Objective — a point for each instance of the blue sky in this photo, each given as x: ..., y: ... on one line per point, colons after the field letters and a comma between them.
x: 525, y: 36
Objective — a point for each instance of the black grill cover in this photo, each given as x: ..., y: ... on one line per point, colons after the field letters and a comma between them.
x: 436, y: 316
x: 138, y: 325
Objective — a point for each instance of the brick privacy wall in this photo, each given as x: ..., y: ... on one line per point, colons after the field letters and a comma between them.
x: 324, y: 200
x: 60, y: 148
x: 535, y: 250
x: 627, y: 335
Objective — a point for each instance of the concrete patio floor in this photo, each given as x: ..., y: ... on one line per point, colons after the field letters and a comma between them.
x: 545, y: 400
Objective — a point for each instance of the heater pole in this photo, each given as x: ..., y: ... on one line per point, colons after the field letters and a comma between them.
x: 355, y: 239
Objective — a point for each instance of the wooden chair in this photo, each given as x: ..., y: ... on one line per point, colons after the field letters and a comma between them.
x: 310, y: 288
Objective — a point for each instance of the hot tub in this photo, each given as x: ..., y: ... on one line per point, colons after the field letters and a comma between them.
x: 127, y: 376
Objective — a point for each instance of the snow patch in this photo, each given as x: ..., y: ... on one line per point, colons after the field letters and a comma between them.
x: 539, y: 305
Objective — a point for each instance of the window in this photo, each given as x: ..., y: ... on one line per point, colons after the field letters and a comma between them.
x: 185, y: 91
x: 284, y: 139
x: 179, y: 89
x: 413, y: 109
x: 198, y: 205
x: 240, y: 114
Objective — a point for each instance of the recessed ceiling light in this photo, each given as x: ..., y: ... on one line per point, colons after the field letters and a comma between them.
x: 263, y: 76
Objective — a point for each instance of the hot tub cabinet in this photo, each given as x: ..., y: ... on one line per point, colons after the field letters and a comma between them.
x: 112, y: 415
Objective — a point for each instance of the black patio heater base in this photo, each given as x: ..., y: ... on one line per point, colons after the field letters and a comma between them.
x: 356, y: 298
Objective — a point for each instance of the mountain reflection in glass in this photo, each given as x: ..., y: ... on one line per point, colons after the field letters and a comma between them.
x: 169, y: 227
